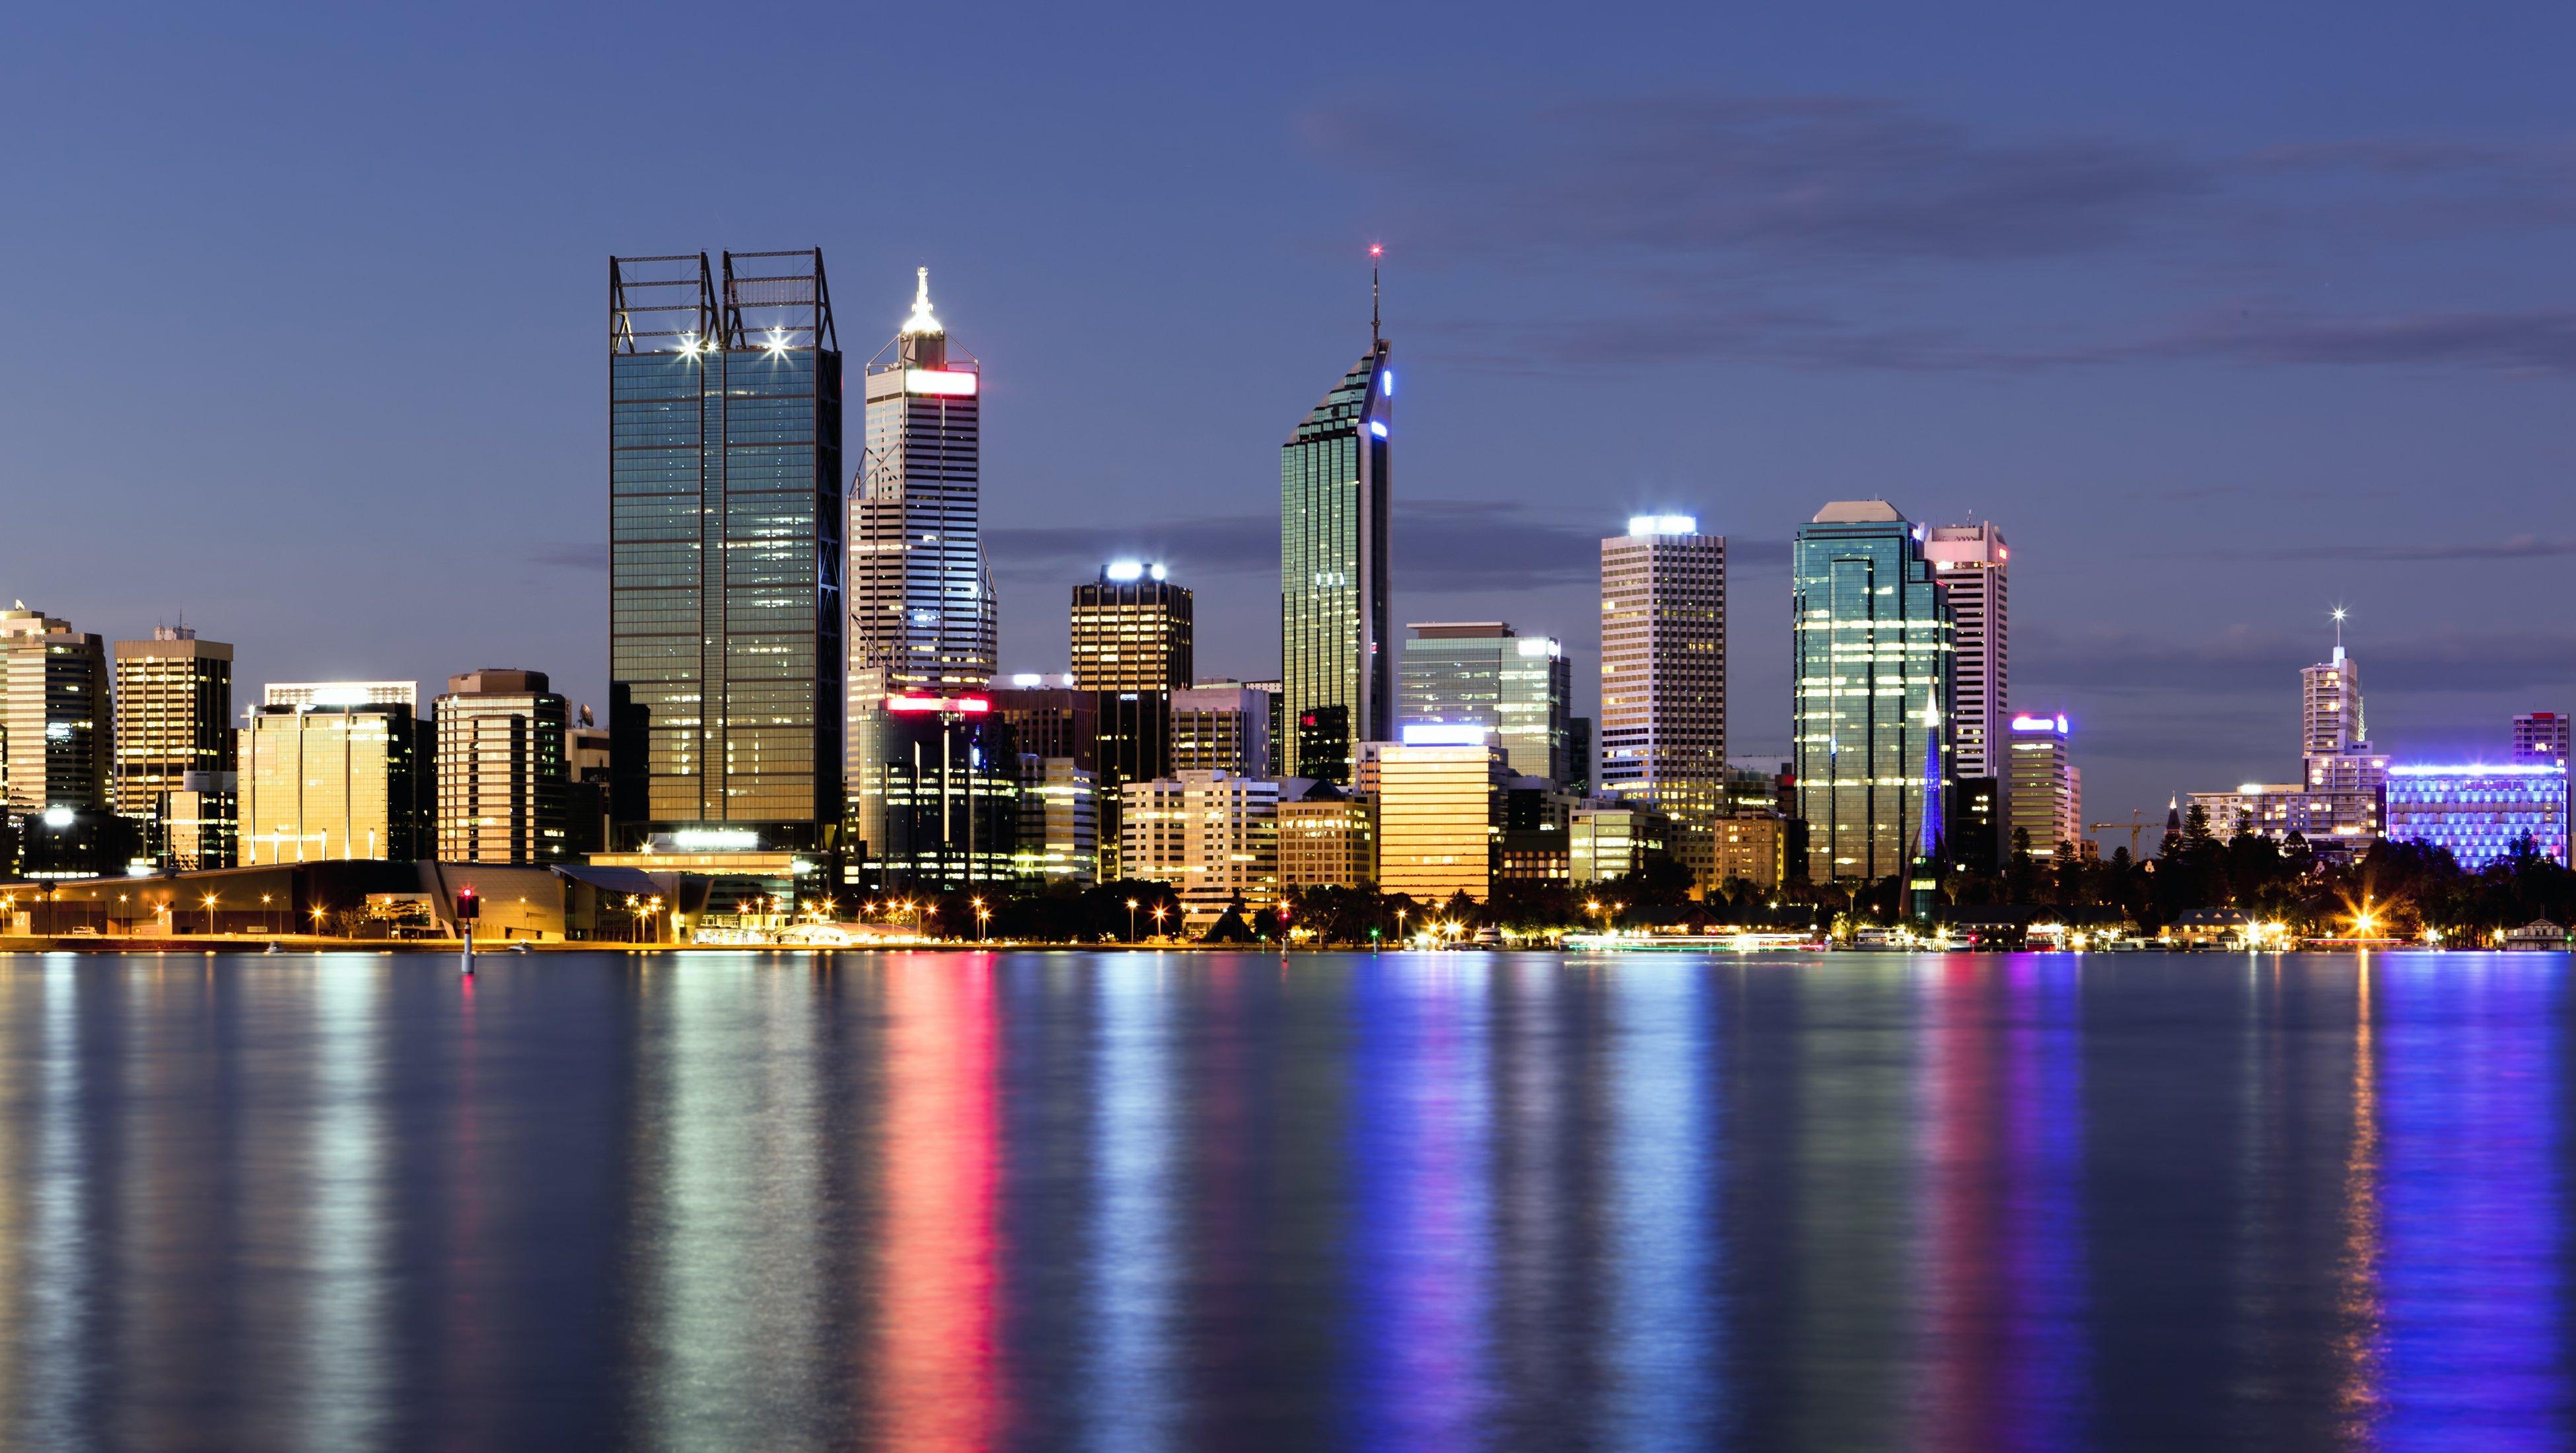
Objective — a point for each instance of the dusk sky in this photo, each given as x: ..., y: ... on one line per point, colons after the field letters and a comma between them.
x: 2226, y: 314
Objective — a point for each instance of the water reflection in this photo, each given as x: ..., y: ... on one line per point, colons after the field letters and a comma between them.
x: 959, y: 1201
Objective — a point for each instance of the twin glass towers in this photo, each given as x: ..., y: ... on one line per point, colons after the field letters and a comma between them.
x: 749, y: 683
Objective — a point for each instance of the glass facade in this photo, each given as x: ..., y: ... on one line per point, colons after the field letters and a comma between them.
x: 1871, y: 663
x: 502, y: 782
x: 2480, y: 812
x: 726, y: 612
x: 1435, y: 822
x: 54, y: 715
x: 1481, y: 674
x: 330, y: 782
x: 1333, y: 590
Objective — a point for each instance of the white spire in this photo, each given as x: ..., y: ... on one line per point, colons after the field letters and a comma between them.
x: 921, y: 321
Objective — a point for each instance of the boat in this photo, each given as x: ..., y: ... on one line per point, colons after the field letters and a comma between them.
x: 272, y: 948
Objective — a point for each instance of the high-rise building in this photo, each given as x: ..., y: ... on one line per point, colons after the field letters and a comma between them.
x: 949, y: 775
x: 1580, y: 773
x: 330, y: 772
x: 503, y: 778
x: 2042, y: 796
x: 922, y: 610
x: 1336, y: 647
x: 55, y: 729
x: 1435, y: 814
x: 2479, y: 813
x: 1213, y: 836
x: 1131, y: 650
x: 2330, y: 717
x: 1871, y: 676
x: 1480, y: 673
x: 2541, y: 736
x: 54, y: 714
x: 726, y: 614
x: 174, y: 723
x: 1221, y: 726
x: 1663, y: 676
x: 1969, y: 566
x: 1751, y: 848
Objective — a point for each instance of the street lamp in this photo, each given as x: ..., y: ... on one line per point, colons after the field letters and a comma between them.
x: 264, y: 899
x: 1159, y: 911
x: 1131, y: 920
x: 317, y: 920
x: 210, y: 913
x: 1399, y: 925
x: 983, y: 917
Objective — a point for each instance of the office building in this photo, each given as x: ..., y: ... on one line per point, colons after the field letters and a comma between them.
x: 1131, y: 650
x: 1048, y: 717
x: 2479, y: 813
x: 55, y: 722
x: 727, y: 619
x: 1059, y: 839
x: 1609, y: 838
x: 1213, y: 836
x: 1663, y: 678
x: 589, y: 771
x: 174, y: 733
x: 1221, y: 726
x: 1435, y: 814
x: 1481, y: 673
x: 948, y: 782
x: 2043, y: 805
x: 1327, y: 837
x: 1336, y: 645
x: 1970, y: 570
x: 1977, y: 822
x: 503, y: 777
x: 1579, y: 770
x: 2541, y: 736
x: 333, y: 770
x: 55, y: 729
x: 1870, y: 675
x: 1751, y: 848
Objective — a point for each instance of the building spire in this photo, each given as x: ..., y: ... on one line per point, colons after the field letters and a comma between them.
x: 921, y: 322
x: 1376, y: 251
x: 2338, y: 623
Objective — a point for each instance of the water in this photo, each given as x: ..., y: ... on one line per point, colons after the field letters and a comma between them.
x: 1114, y: 1203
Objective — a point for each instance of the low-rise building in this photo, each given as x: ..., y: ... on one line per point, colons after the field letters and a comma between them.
x: 2480, y: 812
x: 1327, y: 838
x: 1435, y: 814
x: 1613, y: 838
x: 1214, y: 836
x: 1059, y: 821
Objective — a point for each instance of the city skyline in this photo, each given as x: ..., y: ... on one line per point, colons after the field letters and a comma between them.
x: 2197, y: 442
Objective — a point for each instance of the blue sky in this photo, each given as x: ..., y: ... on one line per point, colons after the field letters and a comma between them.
x: 2226, y: 314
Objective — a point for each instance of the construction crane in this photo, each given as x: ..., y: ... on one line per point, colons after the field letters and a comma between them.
x: 2136, y: 825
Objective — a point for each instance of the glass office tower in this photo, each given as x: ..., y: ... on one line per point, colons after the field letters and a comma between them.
x: 1480, y: 673
x: 1871, y: 658
x: 725, y: 607
x: 174, y: 739
x: 1336, y: 670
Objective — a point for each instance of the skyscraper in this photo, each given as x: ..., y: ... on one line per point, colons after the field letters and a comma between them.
x: 1663, y: 676
x: 2044, y: 803
x: 2541, y: 736
x: 1221, y: 726
x: 1337, y: 671
x: 174, y: 734
x: 1480, y: 673
x: 726, y: 615
x: 1871, y: 662
x: 1130, y: 648
x: 2330, y: 717
x: 922, y: 615
x: 502, y: 778
x: 54, y: 732
x: 1969, y: 567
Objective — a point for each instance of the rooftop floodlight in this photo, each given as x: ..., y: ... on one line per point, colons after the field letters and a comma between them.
x: 1123, y: 570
